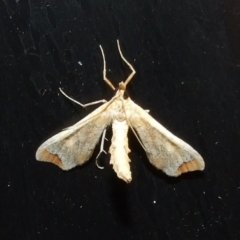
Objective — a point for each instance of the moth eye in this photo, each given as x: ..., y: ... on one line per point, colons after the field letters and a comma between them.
x: 125, y: 95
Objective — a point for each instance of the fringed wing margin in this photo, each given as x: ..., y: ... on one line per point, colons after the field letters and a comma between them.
x: 75, y: 145
x: 164, y: 150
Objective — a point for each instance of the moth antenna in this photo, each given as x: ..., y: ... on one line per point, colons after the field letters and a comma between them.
x: 130, y: 66
x: 104, y: 70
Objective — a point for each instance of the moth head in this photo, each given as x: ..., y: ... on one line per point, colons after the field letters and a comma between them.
x: 122, y: 86
x: 122, y: 90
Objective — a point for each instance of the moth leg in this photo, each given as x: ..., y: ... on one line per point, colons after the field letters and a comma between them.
x: 83, y: 105
x: 101, y: 149
x: 104, y: 70
x: 131, y: 67
x: 147, y: 110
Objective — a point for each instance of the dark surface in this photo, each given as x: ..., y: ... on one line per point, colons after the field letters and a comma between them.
x: 187, y: 58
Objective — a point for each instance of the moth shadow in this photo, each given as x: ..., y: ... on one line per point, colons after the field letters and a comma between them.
x: 120, y: 193
x: 118, y: 189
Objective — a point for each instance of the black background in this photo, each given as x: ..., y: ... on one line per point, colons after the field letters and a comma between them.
x: 187, y: 58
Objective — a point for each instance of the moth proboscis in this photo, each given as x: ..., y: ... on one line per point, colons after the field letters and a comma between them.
x: 75, y: 145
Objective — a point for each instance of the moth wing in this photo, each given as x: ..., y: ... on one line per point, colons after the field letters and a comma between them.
x: 164, y: 150
x: 75, y: 145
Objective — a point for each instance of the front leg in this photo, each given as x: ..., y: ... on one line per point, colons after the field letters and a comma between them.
x: 82, y: 105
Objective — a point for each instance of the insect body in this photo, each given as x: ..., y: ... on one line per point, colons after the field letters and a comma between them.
x: 75, y: 145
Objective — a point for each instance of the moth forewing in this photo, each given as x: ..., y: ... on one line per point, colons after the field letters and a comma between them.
x: 164, y: 150
x: 74, y: 145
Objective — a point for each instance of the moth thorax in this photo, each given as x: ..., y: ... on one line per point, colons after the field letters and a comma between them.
x: 119, y: 113
x: 120, y: 117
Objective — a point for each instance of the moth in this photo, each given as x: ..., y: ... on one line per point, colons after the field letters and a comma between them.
x: 75, y: 145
